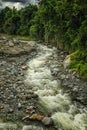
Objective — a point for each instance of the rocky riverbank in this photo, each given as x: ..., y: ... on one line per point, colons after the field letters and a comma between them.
x: 71, y: 81
x: 19, y: 102
x: 13, y: 47
x: 16, y: 100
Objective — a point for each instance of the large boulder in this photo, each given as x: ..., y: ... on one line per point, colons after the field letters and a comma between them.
x: 16, y: 47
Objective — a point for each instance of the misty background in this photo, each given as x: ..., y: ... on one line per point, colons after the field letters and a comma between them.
x: 17, y: 3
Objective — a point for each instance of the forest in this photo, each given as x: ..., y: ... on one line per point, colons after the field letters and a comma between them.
x: 61, y: 23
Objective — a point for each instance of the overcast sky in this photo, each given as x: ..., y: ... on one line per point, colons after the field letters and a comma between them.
x: 17, y: 3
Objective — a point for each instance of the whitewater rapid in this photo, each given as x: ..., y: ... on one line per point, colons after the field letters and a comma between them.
x: 65, y: 115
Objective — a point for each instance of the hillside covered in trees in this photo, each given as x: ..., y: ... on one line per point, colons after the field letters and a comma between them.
x: 62, y: 23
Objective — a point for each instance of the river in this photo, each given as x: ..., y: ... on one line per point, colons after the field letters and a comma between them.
x: 52, y: 100
x: 33, y: 83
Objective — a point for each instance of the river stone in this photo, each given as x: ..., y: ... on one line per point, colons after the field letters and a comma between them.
x: 55, y: 71
x: 10, y: 110
x: 67, y: 61
x: 9, y: 126
x: 15, y: 41
x: 1, y: 107
x: 75, y: 90
x: 37, y: 117
x: 47, y: 121
x: 63, y: 76
x: 25, y: 67
x: 30, y: 108
x: 21, y: 47
x: 11, y: 44
x: 32, y: 127
x: 32, y: 43
x: 26, y: 128
x: 19, y: 105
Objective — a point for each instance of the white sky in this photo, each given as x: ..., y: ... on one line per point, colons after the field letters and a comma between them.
x: 18, y: 5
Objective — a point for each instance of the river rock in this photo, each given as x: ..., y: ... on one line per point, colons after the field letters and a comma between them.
x: 67, y: 61
x: 37, y: 117
x: 10, y: 110
x: 1, y: 107
x: 26, y: 127
x: 19, y: 105
x: 63, y: 76
x: 9, y: 47
x: 15, y: 41
x: 32, y: 127
x: 11, y: 44
x: 30, y: 108
x: 25, y: 67
x: 75, y: 90
x: 10, y: 126
x: 55, y: 71
x: 47, y: 121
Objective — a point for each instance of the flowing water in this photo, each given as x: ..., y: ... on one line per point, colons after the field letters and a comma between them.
x: 52, y: 100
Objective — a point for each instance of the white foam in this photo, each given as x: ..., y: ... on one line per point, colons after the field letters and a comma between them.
x: 65, y: 115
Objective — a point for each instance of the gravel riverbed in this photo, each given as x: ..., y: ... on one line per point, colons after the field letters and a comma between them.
x: 17, y: 101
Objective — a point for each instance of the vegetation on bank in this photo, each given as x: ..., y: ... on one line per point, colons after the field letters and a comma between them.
x: 62, y: 23
x: 79, y: 62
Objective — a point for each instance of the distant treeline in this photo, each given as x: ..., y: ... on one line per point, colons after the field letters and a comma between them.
x: 59, y: 22
x: 17, y: 22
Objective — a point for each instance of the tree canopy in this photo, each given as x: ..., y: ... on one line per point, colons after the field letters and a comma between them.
x: 59, y: 22
x: 17, y: 22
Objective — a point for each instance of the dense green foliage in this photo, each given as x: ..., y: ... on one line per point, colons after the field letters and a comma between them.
x: 62, y: 20
x: 62, y: 23
x: 17, y: 22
